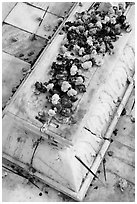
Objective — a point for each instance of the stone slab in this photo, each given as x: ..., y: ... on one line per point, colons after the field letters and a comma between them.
x: 109, y: 192
x: 25, y: 17
x: 11, y: 75
x: 18, y: 43
x: 122, y: 152
x: 58, y: 8
x: 42, y: 5
x: 121, y: 168
x: 6, y: 8
x: 49, y: 25
x: 126, y: 132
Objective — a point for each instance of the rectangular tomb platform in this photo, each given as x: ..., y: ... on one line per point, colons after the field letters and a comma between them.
x: 69, y: 99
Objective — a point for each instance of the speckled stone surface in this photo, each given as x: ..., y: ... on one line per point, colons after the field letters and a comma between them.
x: 18, y: 43
x: 11, y: 75
x: 29, y: 21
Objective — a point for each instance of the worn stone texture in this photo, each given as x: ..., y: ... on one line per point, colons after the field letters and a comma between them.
x: 49, y: 25
x: 57, y: 8
x: 6, y: 8
x: 18, y: 43
x: 29, y: 21
x: 11, y: 75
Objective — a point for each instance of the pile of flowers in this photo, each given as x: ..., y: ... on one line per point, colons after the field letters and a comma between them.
x: 88, y: 38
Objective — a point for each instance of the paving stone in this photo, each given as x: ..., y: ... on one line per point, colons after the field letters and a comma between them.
x: 60, y: 8
x: 11, y: 75
x: 49, y: 25
x: 120, y: 168
x: 25, y: 17
x: 57, y: 8
x: 123, y: 152
x: 17, y: 42
x: 109, y: 192
x: 126, y: 132
x: 6, y: 8
x: 42, y: 5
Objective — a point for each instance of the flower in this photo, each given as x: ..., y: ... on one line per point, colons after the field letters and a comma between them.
x: 113, y: 20
x: 86, y: 65
x: 102, y: 47
x: 94, y: 52
x: 119, y: 12
x: 55, y: 99
x: 72, y: 28
x: 73, y: 70
x: 50, y: 86
x: 72, y: 92
x: 81, y: 28
x: 51, y: 112
x: 81, y: 50
x: 99, y: 24
x: 79, y: 21
x: 65, y: 86
x: 121, y: 6
x: 117, y: 29
x: 68, y: 55
x: 76, y: 48
x: 106, y: 19
x: 93, y: 31
x: 99, y: 60
x: 85, y: 58
x: 90, y: 41
x: 79, y: 80
x: 90, y: 25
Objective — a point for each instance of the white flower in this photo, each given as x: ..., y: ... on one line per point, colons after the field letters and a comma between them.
x: 68, y: 55
x: 99, y: 24
x: 50, y: 86
x: 65, y: 86
x: 86, y: 33
x: 113, y: 20
x: 93, y: 30
x: 94, y: 52
x: 51, y: 112
x: 55, y: 99
x: 119, y: 12
x: 106, y: 19
x: 90, y: 25
x: 72, y: 92
x: 72, y: 28
x: 87, y: 65
x: 85, y: 58
x: 79, y: 80
x: 81, y: 51
x: 122, y: 5
x: 81, y: 28
x: 76, y: 48
x: 99, y: 61
x: 79, y: 21
x: 73, y: 70
x: 90, y: 41
x: 85, y: 17
x: 103, y: 47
